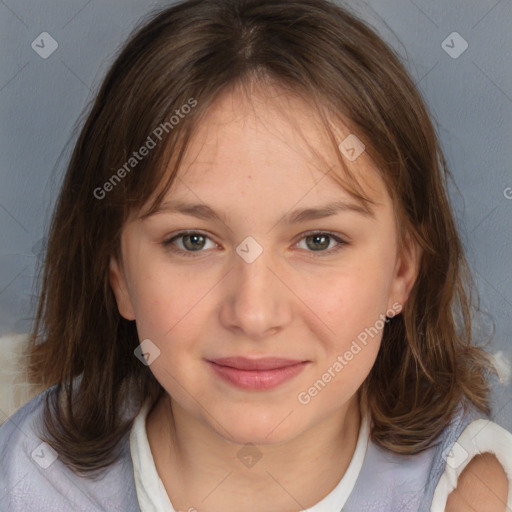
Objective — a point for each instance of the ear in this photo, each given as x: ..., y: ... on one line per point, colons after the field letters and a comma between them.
x: 118, y: 283
x: 406, y: 271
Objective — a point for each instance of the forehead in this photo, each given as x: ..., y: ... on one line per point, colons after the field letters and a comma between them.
x: 255, y: 141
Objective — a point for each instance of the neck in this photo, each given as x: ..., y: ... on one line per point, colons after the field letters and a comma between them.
x: 201, y: 469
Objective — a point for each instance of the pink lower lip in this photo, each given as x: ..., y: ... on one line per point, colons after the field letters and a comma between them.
x: 257, y: 379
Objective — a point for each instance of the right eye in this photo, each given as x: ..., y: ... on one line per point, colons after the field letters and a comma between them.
x: 187, y: 243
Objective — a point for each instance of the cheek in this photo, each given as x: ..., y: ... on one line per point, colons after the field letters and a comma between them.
x: 352, y: 307
x: 156, y: 300
x: 170, y: 302
x: 353, y: 314
x: 355, y: 298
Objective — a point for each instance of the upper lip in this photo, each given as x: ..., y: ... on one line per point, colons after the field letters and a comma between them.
x: 267, y: 363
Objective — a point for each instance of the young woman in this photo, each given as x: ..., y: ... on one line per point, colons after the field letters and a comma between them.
x: 255, y: 297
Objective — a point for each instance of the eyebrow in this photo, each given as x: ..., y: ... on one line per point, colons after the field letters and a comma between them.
x: 204, y: 212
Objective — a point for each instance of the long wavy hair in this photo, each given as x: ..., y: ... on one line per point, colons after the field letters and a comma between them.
x: 188, y: 54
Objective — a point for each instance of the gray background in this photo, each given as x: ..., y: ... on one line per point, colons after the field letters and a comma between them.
x: 469, y: 96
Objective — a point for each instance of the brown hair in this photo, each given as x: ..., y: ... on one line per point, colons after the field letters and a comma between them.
x: 189, y: 54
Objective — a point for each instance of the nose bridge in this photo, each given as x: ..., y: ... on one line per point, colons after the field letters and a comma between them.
x: 253, y: 276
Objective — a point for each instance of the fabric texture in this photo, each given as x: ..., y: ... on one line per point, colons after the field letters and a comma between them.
x: 406, y: 483
x: 33, y: 478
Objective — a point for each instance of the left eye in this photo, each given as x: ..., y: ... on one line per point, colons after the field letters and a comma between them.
x: 319, y: 242
x: 190, y: 242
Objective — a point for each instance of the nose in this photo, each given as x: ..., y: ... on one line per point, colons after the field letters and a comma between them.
x: 257, y: 302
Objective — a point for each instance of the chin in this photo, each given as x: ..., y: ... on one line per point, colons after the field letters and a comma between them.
x: 259, y: 429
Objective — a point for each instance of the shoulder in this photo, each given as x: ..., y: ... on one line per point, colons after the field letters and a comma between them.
x: 33, y: 478
x: 17, y: 430
x: 483, y: 485
x: 478, y: 471
x: 18, y: 445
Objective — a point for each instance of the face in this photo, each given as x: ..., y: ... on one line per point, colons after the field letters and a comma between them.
x: 252, y: 283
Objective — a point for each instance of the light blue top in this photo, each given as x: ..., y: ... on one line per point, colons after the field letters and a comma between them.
x: 33, y: 478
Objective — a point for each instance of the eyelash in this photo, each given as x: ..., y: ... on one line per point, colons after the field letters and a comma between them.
x: 168, y: 244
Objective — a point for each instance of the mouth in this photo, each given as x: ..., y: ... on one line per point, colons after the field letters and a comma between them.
x: 256, y: 374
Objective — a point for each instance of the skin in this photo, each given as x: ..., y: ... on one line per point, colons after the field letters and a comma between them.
x: 251, y: 161
x: 481, y: 487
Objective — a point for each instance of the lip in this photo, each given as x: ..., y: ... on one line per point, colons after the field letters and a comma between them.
x: 256, y: 374
x: 266, y: 363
